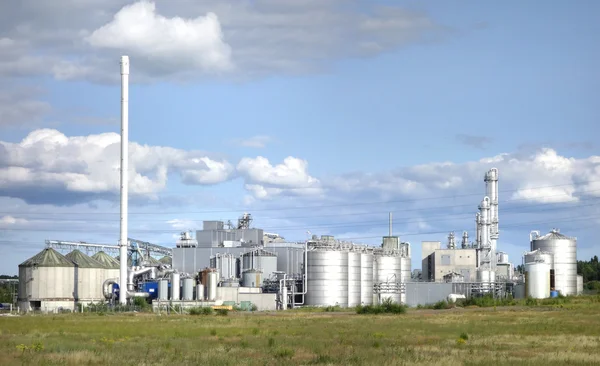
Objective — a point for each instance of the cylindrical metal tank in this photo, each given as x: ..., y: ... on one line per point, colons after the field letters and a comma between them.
x: 519, y: 291
x: 188, y: 289
x: 354, y: 279
x: 200, y: 292
x: 502, y: 258
x: 406, y: 267
x: 537, y: 280
x: 252, y: 278
x: 211, y: 287
x: 226, y: 265
x: 232, y: 282
x: 261, y: 260
x: 366, y: 278
x: 175, y: 286
x: 564, y: 249
x: 486, y: 278
x: 539, y: 256
x: 89, y: 276
x: 389, y: 277
x: 163, y: 290
x: 327, y: 278
x: 579, y: 285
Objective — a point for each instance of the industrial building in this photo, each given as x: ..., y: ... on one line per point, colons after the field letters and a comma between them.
x: 226, y: 264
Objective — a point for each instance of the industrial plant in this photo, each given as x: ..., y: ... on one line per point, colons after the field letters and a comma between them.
x: 238, y: 265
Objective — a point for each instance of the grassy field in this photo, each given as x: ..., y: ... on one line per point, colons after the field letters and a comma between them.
x: 561, y: 334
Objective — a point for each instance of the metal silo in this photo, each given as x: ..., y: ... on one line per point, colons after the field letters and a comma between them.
x: 89, y: 276
x: 389, y: 277
x: 260, y: 259
x: 46, y: 281
x: 564, y: 249
x: 537, y: 280
x: 354, y: 279
x: 327, y: 278
x: 226, y: 265
x: 211, y: 286
x: 252, y: 278
x: 163, y: 290
x: 188, y: 289
x: 366, y: 278
x: 110, y: 264
x: 200, y: 292
x: 375, y: 269
x: 175, y: 286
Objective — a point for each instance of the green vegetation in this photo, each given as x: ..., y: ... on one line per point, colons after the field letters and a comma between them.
x: 590, y: 270
x: 554, y: 332
x: 386, y: 307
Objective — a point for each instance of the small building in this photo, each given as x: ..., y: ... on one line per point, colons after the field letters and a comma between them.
x: 437, y: 262
x: 46, y: 282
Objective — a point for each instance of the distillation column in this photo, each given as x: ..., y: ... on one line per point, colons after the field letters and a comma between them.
x: 486, y: 244
x: 491, y: 185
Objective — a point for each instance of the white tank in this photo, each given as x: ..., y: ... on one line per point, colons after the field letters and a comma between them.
x: 163, y: 290
x: 200, y: 292
x: 252, y: 278
x: 211, y: 287
x: 366, y: 278
x: 175, y: 286
x: 537, y: 280
x: 188, y: 289
x: 354, y: 279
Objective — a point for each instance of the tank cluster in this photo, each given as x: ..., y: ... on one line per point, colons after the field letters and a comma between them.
x: 347, y: 274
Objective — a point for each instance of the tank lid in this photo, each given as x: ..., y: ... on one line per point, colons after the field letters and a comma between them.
x: 554, y: 234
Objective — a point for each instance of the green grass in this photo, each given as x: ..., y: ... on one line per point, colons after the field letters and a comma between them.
x: 553, y: 332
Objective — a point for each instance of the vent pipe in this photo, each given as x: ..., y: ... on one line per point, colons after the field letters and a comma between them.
x: 124, y: 177
x: 390, y: 234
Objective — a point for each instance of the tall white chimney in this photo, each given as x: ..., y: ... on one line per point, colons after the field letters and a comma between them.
x: 124, y: 177
x: 390, y: 234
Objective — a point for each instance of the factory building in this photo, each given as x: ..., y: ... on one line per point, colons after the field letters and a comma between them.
x: 438, y: 262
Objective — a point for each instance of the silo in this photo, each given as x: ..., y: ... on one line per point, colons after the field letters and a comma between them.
x: 200, y: 292
x: 89, y: 275
x: 389, y: 277
x: 175, y: 286
x: 110, y: 264
x: 564, y: 249
x: 46, y: 277
x: 260, y: 259
x: 188, y: 289
x: 163, y: 290
x: 537, y: 280
x: 226, y: 265
x: 354, y: 279
x: 375, y: 269
x: 252, y: 278
x: 211, y: 286
x: 327, y: 278
x: 366, y: 278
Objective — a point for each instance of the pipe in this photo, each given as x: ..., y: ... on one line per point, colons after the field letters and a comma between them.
x: 131, y: 294
x: 105, y: 287
x: 124, y: 176
x: 132, y: 274
x: 390, y: 224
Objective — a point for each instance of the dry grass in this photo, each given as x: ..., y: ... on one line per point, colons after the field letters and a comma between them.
x: 550, y: 335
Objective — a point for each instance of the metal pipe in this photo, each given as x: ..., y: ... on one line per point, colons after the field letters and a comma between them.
x: 131, y: 274
x: 124, y: 176
x: 105, y: 290
x: 390, y: 224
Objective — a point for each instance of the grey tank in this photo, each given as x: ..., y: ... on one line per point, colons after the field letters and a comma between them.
x: 564, y: 249
x: 163, y: 290
x: 366, y: 278
x: 188, y: 289
x: 327, y: 278
x: 354, y: 278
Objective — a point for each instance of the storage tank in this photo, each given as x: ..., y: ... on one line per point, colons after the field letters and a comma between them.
x: 188, y: 289
x: 389, y: 277
x: 564, y: 249
x: 579, y: 285
x: 537, y: 280
x: 327, y: 278
x: 47, y: 275
x: 375, y: 267
x: 200, y: 292
x: 211, y: 286
x: 175, y: 286
x: 487, y: 279
x: 226, y: 265
x: 354, y: 279
x: 252, y: 278
x: 89, y: 277
x: 502, y: 258
x: 163, y: 290
x: 262, y: 260
x: 366, y: 278
x: 110, y: 264
x: 539, y: 256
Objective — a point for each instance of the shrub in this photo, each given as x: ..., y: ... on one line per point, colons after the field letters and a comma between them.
x: 387, y: 306
x: 222, y: 312
x: 201, y: 311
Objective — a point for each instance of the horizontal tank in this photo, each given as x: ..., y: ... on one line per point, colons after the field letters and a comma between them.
x: 327, y: 278
x: 564, y: 249
x: 537, y: 280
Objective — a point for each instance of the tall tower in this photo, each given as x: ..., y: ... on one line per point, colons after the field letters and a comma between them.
x: 491, y: 187
x: 486, y: 256
x: 124, y: 178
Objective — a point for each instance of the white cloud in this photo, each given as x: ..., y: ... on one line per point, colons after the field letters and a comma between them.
x: 10, y: 220
x: 176, y: 42
x: 19, y: 106
x: 180, y: 224
x: 89, y: 166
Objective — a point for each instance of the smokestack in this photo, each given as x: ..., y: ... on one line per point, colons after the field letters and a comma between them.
x: 390, y: 224
x: 124, y: 177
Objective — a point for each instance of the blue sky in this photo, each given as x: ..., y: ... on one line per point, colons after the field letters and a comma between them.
x: 351, y: 109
